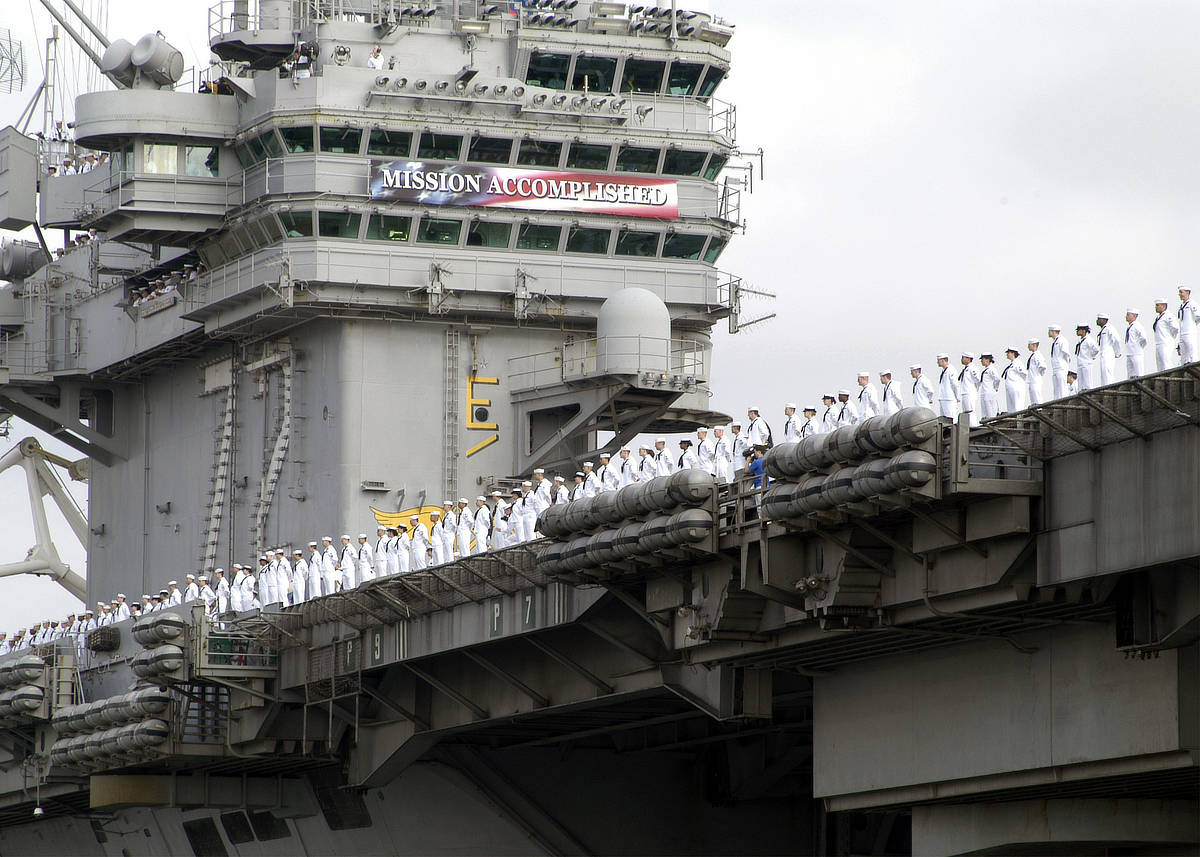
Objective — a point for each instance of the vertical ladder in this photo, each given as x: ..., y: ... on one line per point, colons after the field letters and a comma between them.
x: 50, y: 74
x: 220, y: 478
x: 450, y: 415
x: 62, y: 678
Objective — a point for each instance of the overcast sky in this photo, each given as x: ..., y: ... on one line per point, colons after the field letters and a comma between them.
x: 938, y: 176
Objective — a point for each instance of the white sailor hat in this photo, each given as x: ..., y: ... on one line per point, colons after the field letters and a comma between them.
x: 120, y: 594
x: 202, y: 577
x: 312, y: 544
x: 1083, y: 324
x: 190, y: 576
x: 970, y: 354
x: 447, y: 502
x: 482, y: 498
x: 915, y: 366
x: 885, y: 372
x: 176, y: 582
x: 271, y: 551
x: 98, y: 604
x: 1160, y: 300
x: 238, y: 566
x: 843, y: 392
x: 326, y: 538
x: 579, y: 473
x: 1033, y: 340
x: 1187, y: 289
x: 362, y: 535
x: 1102, y: 315
x: 462, y: 499
x: 753, y: 408
x: 381, y: 527
x: 735, y: 423
x: 497, y: 494
x: 1131, y: 309
x: 560, y: 479
x: 705, y: 428
x: 645, y: 447
x: 1013, y: 349
x: 517, y: 491
x: 220, y: 571
x: 812, y: 408
x: 625, y: 449
x: 163, y: 592
x: 1055, y: 327
x: 413, y: 517
x: 114, y: 601
x: 345, y: 535
x: 942, y: 355
x: 588, y: 464
x: 864, y: 374
x: 791, y: 405
x: 539, y: 470
x: 297, y: 552
x: 526, y: 484
x: 262, y: 559
x: 606, y: 455
x: 660, y: 440
x: 437, y: 512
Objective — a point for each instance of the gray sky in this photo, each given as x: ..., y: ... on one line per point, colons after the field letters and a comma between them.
x: 939, y: 176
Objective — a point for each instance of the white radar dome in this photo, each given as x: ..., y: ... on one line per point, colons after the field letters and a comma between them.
x: 633, y: 332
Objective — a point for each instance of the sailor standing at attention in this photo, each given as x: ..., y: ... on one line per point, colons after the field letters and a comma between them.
x: 968, y: 388
x: 235, y: 588
x: 248, y: 598
x: 591, y: 480
x: 625, y: 470
x: 948, y: 401
x: 122, y: 608
x: 449, y: 527
x: 737, y: 446
x: 989, y: 386
x: 403, y: 554
x: 829, y: 418
x: 1188, y: 322
x: 809, y: 426
x: 706, y: 451
x: 922, y: 389
x: 1060, y: 362
x: 722, y: 457
x: 176, y: 597
x: 436, y: 541
x: 366, y: 559
x: 383, y: 546
x: 268, y: 580
x: 847, y: 414
x: 222, y: 590
x: 283, y: 576
x: 758, y: 433
x: 1166, y: 332
x: 529, y: 513
x: 662, y: 458
x: 466, y: 527
x: 1085, y: 357
x: 1035, y: 368
x: 540, y: 501
x: 687, y: 458
x: 1135, y: 345
x: 868, y: 398
x: 329, y: 562
x: 316, y: 581
x: 420, y: 543
x: 1110, y: 349
x: 648, y: 468
x: 299, y: 577
x: 1015, y: 387
x: 791, y: 426
x: 890, y: 396
x: 561, y: 495
x: 482, y: 524
x: 206, y: 592
x: 1072, y: 383
x: 190, y: 592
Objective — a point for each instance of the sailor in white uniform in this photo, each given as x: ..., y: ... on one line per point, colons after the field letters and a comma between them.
x: 366, y: 559
x: 989, y: 387
x: 562, y: 496
x: 947, y: 392
x: 1166, y: 336
x: 1060, y: 362
x: 466, y: 527
x: 1110, y: 349
x: 609, y: 473
x: 1135, y: 345
x: 284, y: 574
x: 738, y: 447
x: 576, y: 492
x: 829, y: 417
x: 1072, y: 383
x: 449, y: 528
x: 540, y: 501
x: 1035, y: 371
x: 706, y: 451
x: 299, y: 577
x: 968, y: 387
x: 402, y: 556
x: 329, y: 566
x: 347, y: 563
x: 847, y: 414
x: 1013, y: 376
x: 122, y: 608
x: 687, y: 458
x: 722, y: 455
x: 663, y: 465
x: 421, y: 543
x: 221, y: 587
x: 482, y: 524
x: 235, y: 588
x: 648, y: 466
x: 591, y: 480
x: 518, y: 516
x: 1086, y: 352
x: 266, y: 581
x: 191, y: 591
x: 810, y: 426
x: 316, y: 578
x: 868, y: 397
x: 758, y: 433
x: 209, y: 596
x: 889, y: 395
x: 437, y: 537
x: 176, y: 597
x: 923, y: 392
x: 791, y: 425
x: 383, y: 544
x: 1188, y: 319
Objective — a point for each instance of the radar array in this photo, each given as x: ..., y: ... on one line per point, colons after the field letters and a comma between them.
x: 12, y: 63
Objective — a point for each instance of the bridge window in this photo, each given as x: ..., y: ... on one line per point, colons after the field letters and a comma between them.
x: 297, y: 224
x: 200, y: 160
x: 548, y: 70
x: 587, y: 156
x: 683, y: 246
x: 533, y: 236
x: 715, y: 164
x: 490, y: 150
x: 715, y: 246
x: 683, y: 78
x: 340, y: 141
x: 539, y: 153
x: 388, y: 227
x: 633, y: 159
x: 582, y: 239
x: 298, y: 140
x: 634, y: 243
x: 643, y: 75
x: 439, y: 147
x: 160, y: 158
x: 338, y: 224
x: 712, y: 79
x: 435, y: 230
x: 595, y: 74
x: 244, y: 155
x: 487, y: 234
x: 237, y: 827
x: 270, y: 142
x: 257, y: 150
x: 680, y: 163
x: 389, y: 144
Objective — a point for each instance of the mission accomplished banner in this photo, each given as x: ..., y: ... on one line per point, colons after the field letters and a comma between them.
x: 504, y: 187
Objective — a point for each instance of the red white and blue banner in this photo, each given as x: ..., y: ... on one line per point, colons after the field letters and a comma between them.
x: 542, y: 190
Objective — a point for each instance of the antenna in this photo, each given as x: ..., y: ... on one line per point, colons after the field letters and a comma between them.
x: 12, y: 63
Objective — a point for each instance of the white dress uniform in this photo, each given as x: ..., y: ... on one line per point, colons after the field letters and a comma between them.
x: 989, y: 392
x: 192, y: 592
x: 923, y: 392
x: 1110, y: 350
x: 383, y: 547
x: 948, y: 400
x: 175, y: 598
x: 248, y: 592
x: 809, y: 427
x: 829, y: 419
x: 847, y: 414
x: 529, y: 514
x: 892, y: 403
x: 687, y: 460
x: 758, y: 433
x: 1135, y: 349
x: 365, y: 561
x: 283, y: 579
x: 868, y: 402
x: 482, y: 526
x: 210, y: 598
x: 541, y: 498
x: 706, y: 455
x: 1085, y: 362
x: 466, y: 531
x: 347, y: 566
x: 591, y: 483
x: 222, y: 589
x: 1060, y: 364
x: 300, y: 580
x: 1035, y: 370
x: 1166, y: 333
x: 438, y: 541
x: 449, y: 528
x: 316, y: 580
x: 329, y: 561
x: 791, y: 429
x: 1189, y: 321
x: 1015, y: 388
x: 122, y: 612
x: 968, y: 390
x: 421, y: 542
x: 610, y: 475
x: 647, y: 468
x: 738, y: 447
x: 403, y: 554
x: 663, y: 466
x: 723, y: 459
x: 562, y: 494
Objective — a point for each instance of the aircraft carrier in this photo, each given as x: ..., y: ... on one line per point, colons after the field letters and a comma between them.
x: 330, y: 285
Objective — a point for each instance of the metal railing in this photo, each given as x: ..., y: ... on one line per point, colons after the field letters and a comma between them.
x: 625, y: 355
x: 129, y: 189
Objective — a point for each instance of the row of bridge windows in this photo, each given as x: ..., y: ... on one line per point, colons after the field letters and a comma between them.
x: 632, y: 75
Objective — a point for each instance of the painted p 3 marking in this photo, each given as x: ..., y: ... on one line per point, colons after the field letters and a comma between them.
x: 495, y: 616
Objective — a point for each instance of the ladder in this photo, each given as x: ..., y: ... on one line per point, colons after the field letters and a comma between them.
x: 450, y: 415
x: 220, y: 478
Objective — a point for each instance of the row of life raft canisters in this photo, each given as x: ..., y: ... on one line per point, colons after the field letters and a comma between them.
x: 597, y: 538
x: 21, y: 679
x: 160, y: 656
x: 113, y: 730
x: 826, y: 470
